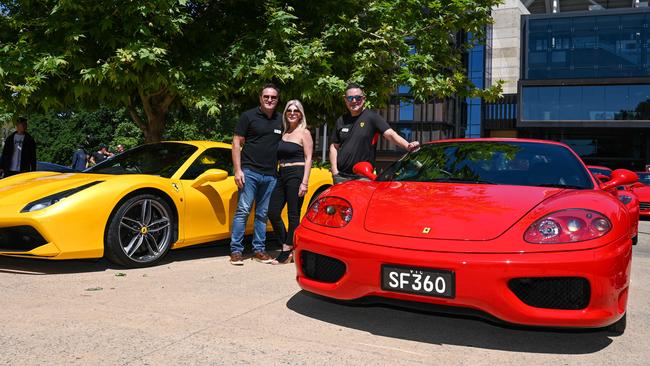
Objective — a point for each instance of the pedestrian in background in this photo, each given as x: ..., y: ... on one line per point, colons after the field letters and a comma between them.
x: 294, y: 160
x: 79, y: 159
x: 19, y: 151
x: 100, y: 155
x: 254, y: 158
x: 355, y: 135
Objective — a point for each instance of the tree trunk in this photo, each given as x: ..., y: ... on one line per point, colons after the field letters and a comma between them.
x: 155, y: 106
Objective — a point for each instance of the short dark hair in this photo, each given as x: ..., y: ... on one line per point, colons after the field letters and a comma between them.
x: 270, y: 86
x: 21, y: 121
x: 353, y: 86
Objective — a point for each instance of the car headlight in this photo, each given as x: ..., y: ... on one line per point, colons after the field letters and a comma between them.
x: 330, y: 211
x: 568, y: 226
x: 52, y: 199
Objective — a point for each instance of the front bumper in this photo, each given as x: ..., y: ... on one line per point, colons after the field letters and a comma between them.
x: 481, y: 280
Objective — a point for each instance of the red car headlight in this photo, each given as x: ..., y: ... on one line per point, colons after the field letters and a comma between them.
x: 568, y: 226
x: 330, y: 211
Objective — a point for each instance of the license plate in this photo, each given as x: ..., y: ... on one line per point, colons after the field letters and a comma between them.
x: 421, y: 281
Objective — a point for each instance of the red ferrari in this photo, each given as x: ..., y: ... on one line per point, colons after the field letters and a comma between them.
x: 517, y: 230
x: 642, y: 192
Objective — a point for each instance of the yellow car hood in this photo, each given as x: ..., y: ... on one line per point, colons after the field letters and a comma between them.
x: 28, y: 187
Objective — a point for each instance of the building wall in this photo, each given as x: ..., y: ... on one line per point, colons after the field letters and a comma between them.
x: 506, y: 43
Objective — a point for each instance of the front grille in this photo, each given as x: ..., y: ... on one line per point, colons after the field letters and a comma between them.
x: 320, y: 267
x: 20, y: 239
x: 566, y: 293
x: 644, y: 206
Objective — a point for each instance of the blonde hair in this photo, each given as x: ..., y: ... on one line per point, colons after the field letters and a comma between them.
x: 297, y: 104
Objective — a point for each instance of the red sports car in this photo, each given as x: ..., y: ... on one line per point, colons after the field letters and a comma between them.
x: 642, y: 192
x: 515, y: 229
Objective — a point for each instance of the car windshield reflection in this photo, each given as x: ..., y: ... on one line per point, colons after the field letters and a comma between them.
x: 161, y: 159
x: 494, y: 162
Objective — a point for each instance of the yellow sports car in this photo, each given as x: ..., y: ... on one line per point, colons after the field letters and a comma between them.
x: 131, y: 208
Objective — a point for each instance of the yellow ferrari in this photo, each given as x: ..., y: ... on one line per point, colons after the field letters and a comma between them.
x: 131, y: 208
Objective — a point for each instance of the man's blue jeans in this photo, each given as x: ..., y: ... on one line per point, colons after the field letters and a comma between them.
x: 257, y: 187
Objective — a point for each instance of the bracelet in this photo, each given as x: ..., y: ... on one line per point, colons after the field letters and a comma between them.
x: 304, y: 184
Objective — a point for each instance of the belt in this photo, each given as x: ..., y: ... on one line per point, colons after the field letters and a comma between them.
x: 298, y: 163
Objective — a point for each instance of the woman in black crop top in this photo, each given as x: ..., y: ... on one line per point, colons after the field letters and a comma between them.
x: 294, y: 160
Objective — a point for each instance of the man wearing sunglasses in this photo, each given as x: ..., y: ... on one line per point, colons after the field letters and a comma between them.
x: 254, y: 157
x: 355, y: 136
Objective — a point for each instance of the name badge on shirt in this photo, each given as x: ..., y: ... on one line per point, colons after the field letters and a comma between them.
x: 279, y: 132
x: 345, y: 130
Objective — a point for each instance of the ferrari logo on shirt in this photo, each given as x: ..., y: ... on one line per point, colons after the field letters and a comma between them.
x: 426, y: 230
x: 361, y: 124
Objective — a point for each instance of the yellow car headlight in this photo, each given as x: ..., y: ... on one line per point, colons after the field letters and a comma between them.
x: 52, y: 199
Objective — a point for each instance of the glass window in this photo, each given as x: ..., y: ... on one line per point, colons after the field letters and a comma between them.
x: 215, y: 158
x: 162, y: 159
x: 507, y: 163
x: 405, y: 110
x: 586, y: 103
x: 588, y: 46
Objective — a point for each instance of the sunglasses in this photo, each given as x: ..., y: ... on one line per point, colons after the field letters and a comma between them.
x: 272, y: 97
x: 293, y: 111
x: 354, y: 98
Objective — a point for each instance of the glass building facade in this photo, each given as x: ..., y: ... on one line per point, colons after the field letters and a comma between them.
x: 588, y: 46
x: 586, y: 67
x: 586, y: 103
x: 479, y: 75
x: 585, y: 81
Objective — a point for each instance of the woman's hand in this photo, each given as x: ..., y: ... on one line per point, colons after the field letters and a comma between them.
x: 303, y: 189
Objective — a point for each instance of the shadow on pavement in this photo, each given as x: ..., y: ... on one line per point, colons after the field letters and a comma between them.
x: 447, y: 329
x: 37, y: 266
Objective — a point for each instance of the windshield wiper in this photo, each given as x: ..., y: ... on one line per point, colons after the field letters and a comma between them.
x: 463, y: 180
x: 558, y: 185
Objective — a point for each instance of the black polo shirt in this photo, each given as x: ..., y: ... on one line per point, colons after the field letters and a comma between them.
x: 354, y: 136
x: 262, y: 136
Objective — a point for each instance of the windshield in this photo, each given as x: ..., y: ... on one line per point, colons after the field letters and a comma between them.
x: 162, y: 159
x: 492, y: 162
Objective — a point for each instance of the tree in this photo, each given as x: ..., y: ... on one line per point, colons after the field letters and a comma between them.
x: 153, y: 56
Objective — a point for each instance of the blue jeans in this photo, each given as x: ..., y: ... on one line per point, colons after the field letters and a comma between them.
x: 257, y: 187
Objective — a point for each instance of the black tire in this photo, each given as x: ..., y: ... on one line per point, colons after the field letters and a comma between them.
x: 635, y: 239
x: 618, y: 328
x: 140, y: 231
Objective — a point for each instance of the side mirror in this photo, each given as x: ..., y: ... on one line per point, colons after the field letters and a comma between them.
x: 620, y: 177
x: 364, y: 169
x: 210, y: 175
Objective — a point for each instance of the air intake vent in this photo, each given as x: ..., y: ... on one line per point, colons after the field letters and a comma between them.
x: 565, y: 293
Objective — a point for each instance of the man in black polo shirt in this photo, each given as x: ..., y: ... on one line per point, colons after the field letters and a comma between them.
x: 355, y: 136
x: 254, y: 157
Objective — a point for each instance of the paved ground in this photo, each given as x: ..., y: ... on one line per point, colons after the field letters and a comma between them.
x: 197, y: 309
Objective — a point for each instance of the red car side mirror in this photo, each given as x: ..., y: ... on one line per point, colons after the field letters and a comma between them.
x: 364, y: 169
x: 620, y: 177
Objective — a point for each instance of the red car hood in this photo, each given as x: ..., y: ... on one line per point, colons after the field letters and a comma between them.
x: 450, y: 211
